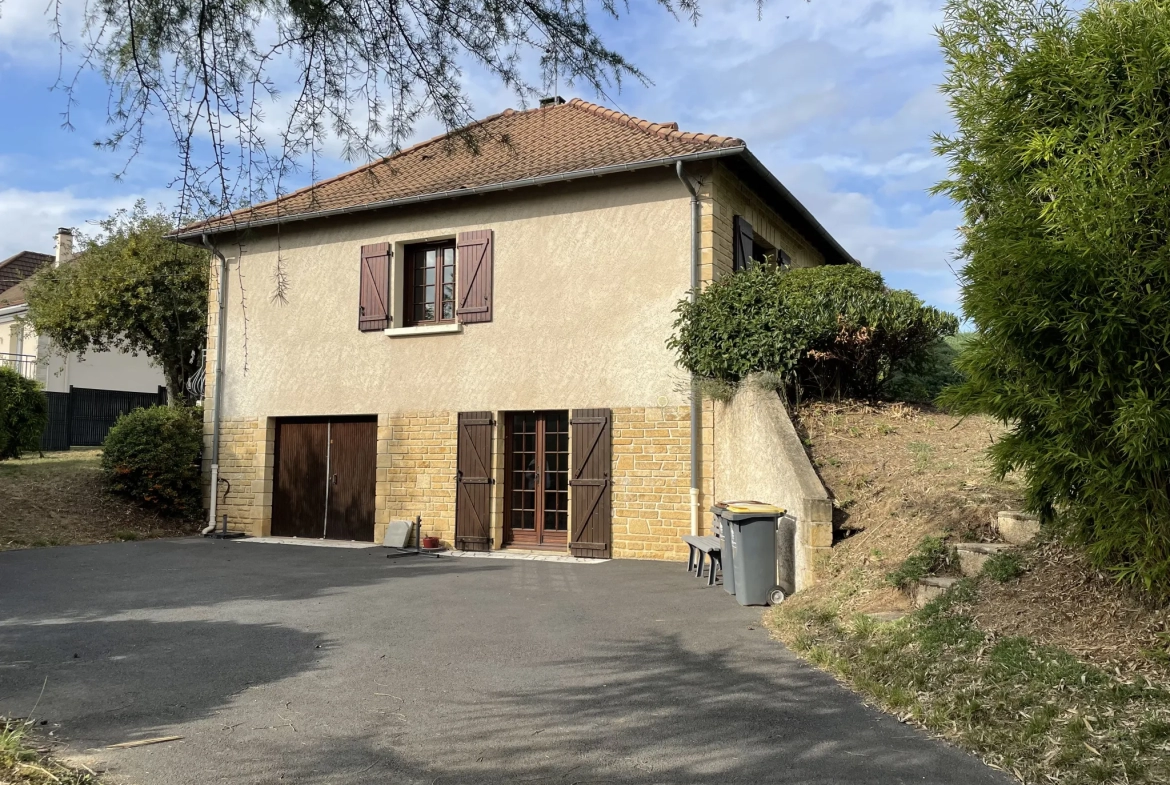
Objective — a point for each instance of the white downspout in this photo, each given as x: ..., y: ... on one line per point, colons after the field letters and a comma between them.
x: 217, y: 406
x: 696, y: 396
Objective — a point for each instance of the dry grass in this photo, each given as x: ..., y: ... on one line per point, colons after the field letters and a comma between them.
x: 59, y: 500
x: 24, y: 761
x: 1062, y: 601
x: 1057, y: 675
x: 897, y: 473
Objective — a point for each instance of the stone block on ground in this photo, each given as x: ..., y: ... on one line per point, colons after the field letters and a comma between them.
x: 931, y: 588
x: 973, y: 556
x: 1018, y: 528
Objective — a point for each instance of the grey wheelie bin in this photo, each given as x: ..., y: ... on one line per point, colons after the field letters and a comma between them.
x: 750, y: 529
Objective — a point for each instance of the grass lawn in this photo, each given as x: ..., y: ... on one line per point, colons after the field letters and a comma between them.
x: 60, y: 500
x: 1041, y: 666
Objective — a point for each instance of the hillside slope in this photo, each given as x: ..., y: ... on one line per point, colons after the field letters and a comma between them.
x: 1049, y: 670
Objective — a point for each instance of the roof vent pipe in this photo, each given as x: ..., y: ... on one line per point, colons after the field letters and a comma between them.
x: 696, y: 396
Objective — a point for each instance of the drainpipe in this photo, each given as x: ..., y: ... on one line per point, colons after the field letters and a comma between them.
x: 696, y: 397
x: 220, y: 335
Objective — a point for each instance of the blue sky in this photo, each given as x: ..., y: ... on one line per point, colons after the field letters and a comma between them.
x: 838, y: 98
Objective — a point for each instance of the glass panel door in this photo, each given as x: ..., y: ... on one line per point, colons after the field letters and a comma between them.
x: 537, y: 492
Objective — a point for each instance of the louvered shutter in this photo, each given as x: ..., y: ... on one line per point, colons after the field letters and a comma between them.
x: 592, y: 483
x: 743, y: 237
x: 473, y: 277
x: 374, y: 295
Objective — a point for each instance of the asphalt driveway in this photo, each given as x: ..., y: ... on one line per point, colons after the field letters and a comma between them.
x: 316, y: 665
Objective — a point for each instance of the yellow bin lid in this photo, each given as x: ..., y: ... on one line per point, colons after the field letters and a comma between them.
x: 753, y: 507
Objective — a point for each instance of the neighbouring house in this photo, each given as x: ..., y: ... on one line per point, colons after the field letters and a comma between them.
x: 103, y: 384
x: 480, y: 338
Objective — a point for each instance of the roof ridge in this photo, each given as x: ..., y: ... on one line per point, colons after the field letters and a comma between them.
x: 663, y: 130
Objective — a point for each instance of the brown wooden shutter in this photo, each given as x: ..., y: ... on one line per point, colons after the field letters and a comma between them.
x: 473, y: 480
x: 592, y: 509
x: 743, y: 237
x: 473, y: 276
x: 374, y: 297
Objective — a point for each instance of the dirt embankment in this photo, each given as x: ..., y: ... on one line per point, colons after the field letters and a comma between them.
x: 60, y: 500
x: 899, y: 473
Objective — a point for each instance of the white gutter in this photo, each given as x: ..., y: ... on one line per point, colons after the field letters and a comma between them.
x: 220, y: 335
x: 696, y: 396
x: 13, y: 309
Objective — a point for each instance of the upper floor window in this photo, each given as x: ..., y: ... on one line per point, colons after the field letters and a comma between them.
x: 430, y: 283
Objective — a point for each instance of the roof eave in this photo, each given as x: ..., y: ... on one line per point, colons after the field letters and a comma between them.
x: 831, y: 246
x: 828, y: 244
x: 195, y: 234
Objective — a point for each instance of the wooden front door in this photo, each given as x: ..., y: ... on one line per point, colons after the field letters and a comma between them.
x: 324, y: 478
x: 537, y: 490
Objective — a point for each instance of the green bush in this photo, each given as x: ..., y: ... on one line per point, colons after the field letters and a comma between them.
x: 151, y: 456
x: 1004, y: 567
x: 1061, y: 162
x: 830, y: 331
x: 24, y: 411
x: 930, y: 557
x: 924, y: 378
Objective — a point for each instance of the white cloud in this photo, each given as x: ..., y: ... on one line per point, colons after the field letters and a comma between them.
x: 29, y: 219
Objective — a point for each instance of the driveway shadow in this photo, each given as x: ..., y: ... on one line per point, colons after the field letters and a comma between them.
x: 117, y: 680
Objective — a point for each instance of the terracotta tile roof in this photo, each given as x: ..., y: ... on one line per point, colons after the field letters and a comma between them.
x: 16, y: 268
x: 516, y: 145
x: 13, y: 295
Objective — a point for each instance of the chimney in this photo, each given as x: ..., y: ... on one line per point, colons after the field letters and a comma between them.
x: 64, y: 245
x: 552, y: 100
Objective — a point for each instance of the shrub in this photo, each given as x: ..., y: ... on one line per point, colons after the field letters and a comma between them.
x: 828, y: 331
x: 1004, y: 567
x: 151, y: 456
x: 24, y: 411
x: 924, y: 378
x: 931, y: 556
x: 1060, y: 162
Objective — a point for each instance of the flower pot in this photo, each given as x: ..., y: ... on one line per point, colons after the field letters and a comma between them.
x: 430, y: 542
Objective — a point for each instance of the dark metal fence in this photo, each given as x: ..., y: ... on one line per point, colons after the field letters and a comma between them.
x: 83, y: 417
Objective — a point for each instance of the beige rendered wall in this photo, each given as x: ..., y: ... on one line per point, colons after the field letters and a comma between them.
x: 759, y: 456
x: 586, y: 279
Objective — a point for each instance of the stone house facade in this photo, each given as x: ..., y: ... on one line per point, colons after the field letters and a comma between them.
x: 479, y: 338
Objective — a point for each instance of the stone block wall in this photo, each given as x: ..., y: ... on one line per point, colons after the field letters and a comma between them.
x: 416, y: 472
x: 245, y: 469
x: 416, y: 465
x: 724, y: 196
x: 651, y: 481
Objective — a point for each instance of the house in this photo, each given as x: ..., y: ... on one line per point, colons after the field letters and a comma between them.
x: 35, y: 356
x: 479, y: 337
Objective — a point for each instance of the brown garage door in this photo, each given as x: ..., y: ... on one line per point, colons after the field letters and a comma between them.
x: 324, y: 478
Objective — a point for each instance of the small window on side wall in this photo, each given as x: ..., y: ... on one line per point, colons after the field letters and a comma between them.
x: 429, y: 291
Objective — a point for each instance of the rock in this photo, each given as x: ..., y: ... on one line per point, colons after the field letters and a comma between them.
x: 886, y: 616
x: 931, y: 588
x: 974, y: 555
x: 1018, y: 528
